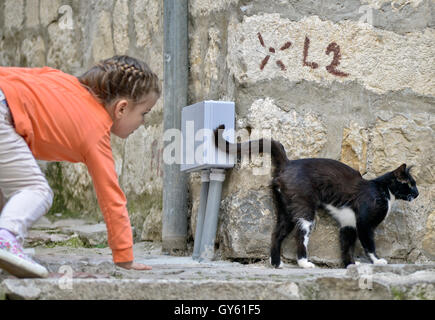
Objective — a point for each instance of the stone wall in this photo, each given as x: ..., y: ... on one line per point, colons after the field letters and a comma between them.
x: 72, y: 36
x: 348, y: 80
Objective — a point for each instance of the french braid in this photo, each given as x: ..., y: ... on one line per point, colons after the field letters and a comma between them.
x: 120, y: 77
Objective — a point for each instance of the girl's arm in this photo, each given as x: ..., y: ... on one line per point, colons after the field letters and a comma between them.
x: 111, y: 200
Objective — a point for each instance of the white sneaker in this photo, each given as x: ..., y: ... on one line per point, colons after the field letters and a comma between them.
x: 14, y: 261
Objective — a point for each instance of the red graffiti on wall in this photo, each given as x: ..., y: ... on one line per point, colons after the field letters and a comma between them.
x: 333, y: 47
x: 331, y: 68
x: 312, y: 65
x: 279, y: 63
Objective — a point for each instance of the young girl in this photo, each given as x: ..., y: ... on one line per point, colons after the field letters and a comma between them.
x: 49, y: 115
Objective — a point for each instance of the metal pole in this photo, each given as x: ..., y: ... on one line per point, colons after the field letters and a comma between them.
x: 217, y: 177
x: 175, y: 191
x: 205, y: 182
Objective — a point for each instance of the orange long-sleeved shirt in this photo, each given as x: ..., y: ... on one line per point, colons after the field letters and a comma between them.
x: 61, y: 121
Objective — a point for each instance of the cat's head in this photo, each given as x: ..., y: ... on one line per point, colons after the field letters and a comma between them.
x: 403, y: 185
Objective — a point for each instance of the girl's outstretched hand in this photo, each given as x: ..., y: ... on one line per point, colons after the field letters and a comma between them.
x: 131, y: 265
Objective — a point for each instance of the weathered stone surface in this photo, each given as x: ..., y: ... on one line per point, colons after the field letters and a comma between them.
x: 404, y: 138
x: 429, y: 237
x: 143, y: 176
x: 77, y: 190
x: 66, y: 231
x: 354, y: 147
x: 38, y: 237
x: 380, y: 60
x: 13, y: 14
x: 207, y: 7
x: 32, y: 13
x: 103, y: 40
x: 34, y: 52
x: 152, y: 226
x: 45, y: 223
x: 308, y: 133
x: 120, y: 27
x: 148, y: 21
x: 246, y: 225
x: 211, y: 70
x: 400, y: 16
x: 142, y: 181
x: 63, y: 52
x: 93, y: 235
x: 48, y: 11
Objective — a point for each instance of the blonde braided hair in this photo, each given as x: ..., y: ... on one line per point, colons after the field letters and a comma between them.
x: 120, y: 77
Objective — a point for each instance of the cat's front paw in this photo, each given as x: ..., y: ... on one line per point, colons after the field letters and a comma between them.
x: 304, y: 263
x: 375, y: 260
x: 380, y: 261
x: 277, y: 265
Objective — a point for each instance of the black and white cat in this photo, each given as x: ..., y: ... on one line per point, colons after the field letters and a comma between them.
x: 302, y: 186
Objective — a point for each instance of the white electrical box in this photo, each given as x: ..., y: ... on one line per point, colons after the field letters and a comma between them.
x: 198, y: 123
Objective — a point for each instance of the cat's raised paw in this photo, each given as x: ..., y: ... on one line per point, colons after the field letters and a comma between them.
x: 304, y: 263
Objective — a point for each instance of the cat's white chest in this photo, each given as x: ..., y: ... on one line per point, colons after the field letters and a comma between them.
x: 344, y: 215
x: 390, y: 203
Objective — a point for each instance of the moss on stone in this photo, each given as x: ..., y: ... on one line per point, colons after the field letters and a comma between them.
x: 73, y: 242
x: 398, y: 294
x: 54, y: 177
x: 64, y: 201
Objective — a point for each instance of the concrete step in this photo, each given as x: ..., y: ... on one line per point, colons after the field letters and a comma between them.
x: 84, y: 270
x: 88, y: 273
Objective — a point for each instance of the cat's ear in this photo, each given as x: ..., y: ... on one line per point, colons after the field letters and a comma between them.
x: 408, y: 170
x: 400, y: 172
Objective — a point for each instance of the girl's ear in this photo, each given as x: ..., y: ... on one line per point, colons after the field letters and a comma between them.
x: 120, y: 108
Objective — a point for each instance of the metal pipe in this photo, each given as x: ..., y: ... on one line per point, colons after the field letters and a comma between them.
x: 217, y: 177
x: 175, y: 190
x: 205, y: 182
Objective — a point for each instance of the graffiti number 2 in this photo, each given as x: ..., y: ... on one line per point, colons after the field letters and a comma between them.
x: 333, y: 47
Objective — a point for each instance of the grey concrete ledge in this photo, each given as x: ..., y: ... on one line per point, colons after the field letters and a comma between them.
x: 182, y: 278
x: 89, y: 273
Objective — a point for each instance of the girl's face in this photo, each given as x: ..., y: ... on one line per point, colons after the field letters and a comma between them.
x: 128, y: 117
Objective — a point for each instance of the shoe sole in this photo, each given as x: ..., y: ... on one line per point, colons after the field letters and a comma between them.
x: 20, y: 267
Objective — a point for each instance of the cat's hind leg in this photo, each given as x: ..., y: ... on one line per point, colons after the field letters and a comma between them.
x: 282, y: 228
x: 284, y: 225
x: 302, y: 238
x: 348, y: 237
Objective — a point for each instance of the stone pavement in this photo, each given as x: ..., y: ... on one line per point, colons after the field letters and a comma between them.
x: 81, y: 268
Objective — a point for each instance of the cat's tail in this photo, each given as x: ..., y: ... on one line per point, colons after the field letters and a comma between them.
x: 276, y: 149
